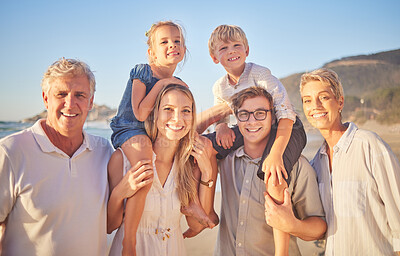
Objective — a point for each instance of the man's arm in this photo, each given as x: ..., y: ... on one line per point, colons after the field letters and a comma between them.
x: 282, y: 217
x: 2, y: 229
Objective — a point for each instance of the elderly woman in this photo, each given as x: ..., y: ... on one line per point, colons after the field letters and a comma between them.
x: 179, y: 154
x: 358, y: 174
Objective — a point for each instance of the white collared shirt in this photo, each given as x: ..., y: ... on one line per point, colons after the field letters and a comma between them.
x: 53, y: 204
x: 361, y: 197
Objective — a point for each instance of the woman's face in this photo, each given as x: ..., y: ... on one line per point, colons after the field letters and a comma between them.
x: 175, y: 115
x: 320, y: 106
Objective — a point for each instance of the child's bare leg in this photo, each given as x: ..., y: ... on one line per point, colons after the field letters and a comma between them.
x: 281, y: 239
x: 136, y: 148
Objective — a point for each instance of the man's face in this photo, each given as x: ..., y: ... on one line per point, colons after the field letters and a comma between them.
x: 68, y: 102
x: 255, y: 131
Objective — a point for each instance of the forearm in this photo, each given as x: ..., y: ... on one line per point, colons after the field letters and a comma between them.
x: 212, y: 115
x: 144, y: 107
x: 283, y: 133
x: 311, y: 228
x: 115, y: 209
x: 206, y: 194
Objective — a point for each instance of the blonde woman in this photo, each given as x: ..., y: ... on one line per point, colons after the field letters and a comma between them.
x: 180, y: 159
x: 358, y: 174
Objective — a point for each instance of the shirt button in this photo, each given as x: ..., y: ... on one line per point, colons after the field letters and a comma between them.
x: 241, y: 223
x: 239, y: 244
x: 247, y: 181
x: 244, y: 201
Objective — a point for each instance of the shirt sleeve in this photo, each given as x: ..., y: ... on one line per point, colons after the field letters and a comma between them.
x: 386, y: 171
x: 282, y: 104
x: 142, y: 72
x: 305, y: 196
x: 7, y: 198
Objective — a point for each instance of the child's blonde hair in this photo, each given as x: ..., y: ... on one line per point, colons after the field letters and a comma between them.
x: 184, y: 162
x: 226, y: 33
x: 151, y: 32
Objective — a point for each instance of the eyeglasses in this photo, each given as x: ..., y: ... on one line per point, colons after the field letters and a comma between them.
x: 259, y: 114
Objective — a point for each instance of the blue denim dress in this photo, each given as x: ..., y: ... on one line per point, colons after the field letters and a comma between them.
x: 125, y: 125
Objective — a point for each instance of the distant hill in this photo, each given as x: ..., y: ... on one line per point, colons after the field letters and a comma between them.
x: 98, y: 113
x: 372, y: 79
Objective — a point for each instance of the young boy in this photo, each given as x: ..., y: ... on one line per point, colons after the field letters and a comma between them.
x: 228, y: 45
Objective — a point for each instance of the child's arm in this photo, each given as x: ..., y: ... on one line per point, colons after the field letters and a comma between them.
x: 212, y: 115
x: 224, y: 135
x: 273, y: 164
x: 122, y: 187
x: 142, y: 104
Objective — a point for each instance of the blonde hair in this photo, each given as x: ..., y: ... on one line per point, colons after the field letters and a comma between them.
x: 184, y: 162
x: 325, y: 76
x: 67, y: 68
x: 226, y: 33
x: 151, y: 32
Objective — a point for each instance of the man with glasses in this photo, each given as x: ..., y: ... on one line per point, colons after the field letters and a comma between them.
x: 246, y: 207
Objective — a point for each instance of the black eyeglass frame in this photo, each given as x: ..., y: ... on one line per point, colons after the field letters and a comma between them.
x: 252, y: 112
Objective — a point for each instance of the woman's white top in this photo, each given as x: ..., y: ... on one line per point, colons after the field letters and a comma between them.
x: 159, y: 231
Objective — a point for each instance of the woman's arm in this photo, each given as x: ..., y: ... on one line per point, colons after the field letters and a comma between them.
x: 122, y: 187
x: 142, y: 104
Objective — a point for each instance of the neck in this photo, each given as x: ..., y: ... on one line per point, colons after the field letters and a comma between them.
x: 234, y: 74
x: 68, y: 143
x: 333, y: 135
x: 165, y: 149
x: 163, y: 71
x: 255, y: 150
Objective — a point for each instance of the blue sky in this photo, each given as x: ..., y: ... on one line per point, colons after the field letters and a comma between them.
x: 286, y: 36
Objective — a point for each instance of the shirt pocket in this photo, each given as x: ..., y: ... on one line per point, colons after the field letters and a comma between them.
x: 350, y: 198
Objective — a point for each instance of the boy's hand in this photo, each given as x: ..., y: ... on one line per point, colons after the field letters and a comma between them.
x: 224, y: 136
x: 273, y: 168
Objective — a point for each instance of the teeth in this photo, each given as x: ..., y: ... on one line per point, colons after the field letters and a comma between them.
x: 253, y: 129
x: 235, y: 58
x: 69, y: 115
x: 173, y: 127
x: 319, y: 115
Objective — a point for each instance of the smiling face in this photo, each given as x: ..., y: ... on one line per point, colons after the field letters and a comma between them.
x: 175, y: 115
x: 232, y: 55
x: 167, y: 47
x: 68, y: 102
x: 255, y: 132
x: 320, y: 106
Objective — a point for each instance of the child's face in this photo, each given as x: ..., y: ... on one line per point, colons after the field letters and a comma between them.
x: 255, y: 131
x: 167, y: 47
x: 230, y: 54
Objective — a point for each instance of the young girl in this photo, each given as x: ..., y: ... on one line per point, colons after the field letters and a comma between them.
x: 176, y: 147
x: 166, y: 49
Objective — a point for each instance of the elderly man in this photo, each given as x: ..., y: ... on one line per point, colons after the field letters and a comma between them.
x: 243, y: 228
x: 53, y: 175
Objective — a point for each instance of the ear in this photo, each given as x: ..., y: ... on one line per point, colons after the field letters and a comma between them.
x: 91, y: 103
x: 150, y: 53
x: 215, y: 60
x: 45, y: 99
x: 247, y: 51
x: 341, y: 103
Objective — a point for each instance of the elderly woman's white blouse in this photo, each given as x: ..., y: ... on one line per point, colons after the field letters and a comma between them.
x: 361, y: 197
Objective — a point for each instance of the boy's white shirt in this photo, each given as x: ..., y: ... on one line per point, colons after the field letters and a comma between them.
x: 255, y: 75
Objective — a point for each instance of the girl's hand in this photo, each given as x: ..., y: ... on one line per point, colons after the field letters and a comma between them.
x: 172, y: 80
x: 224, y: 136
x: 202, y: 151
x: 136, y: 178
x: 273, y: 168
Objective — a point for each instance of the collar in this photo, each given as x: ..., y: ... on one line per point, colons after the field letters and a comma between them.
x: 239, y: 153
x: 247, y: 68
x: 47, y: 147
x: 344, y: 141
